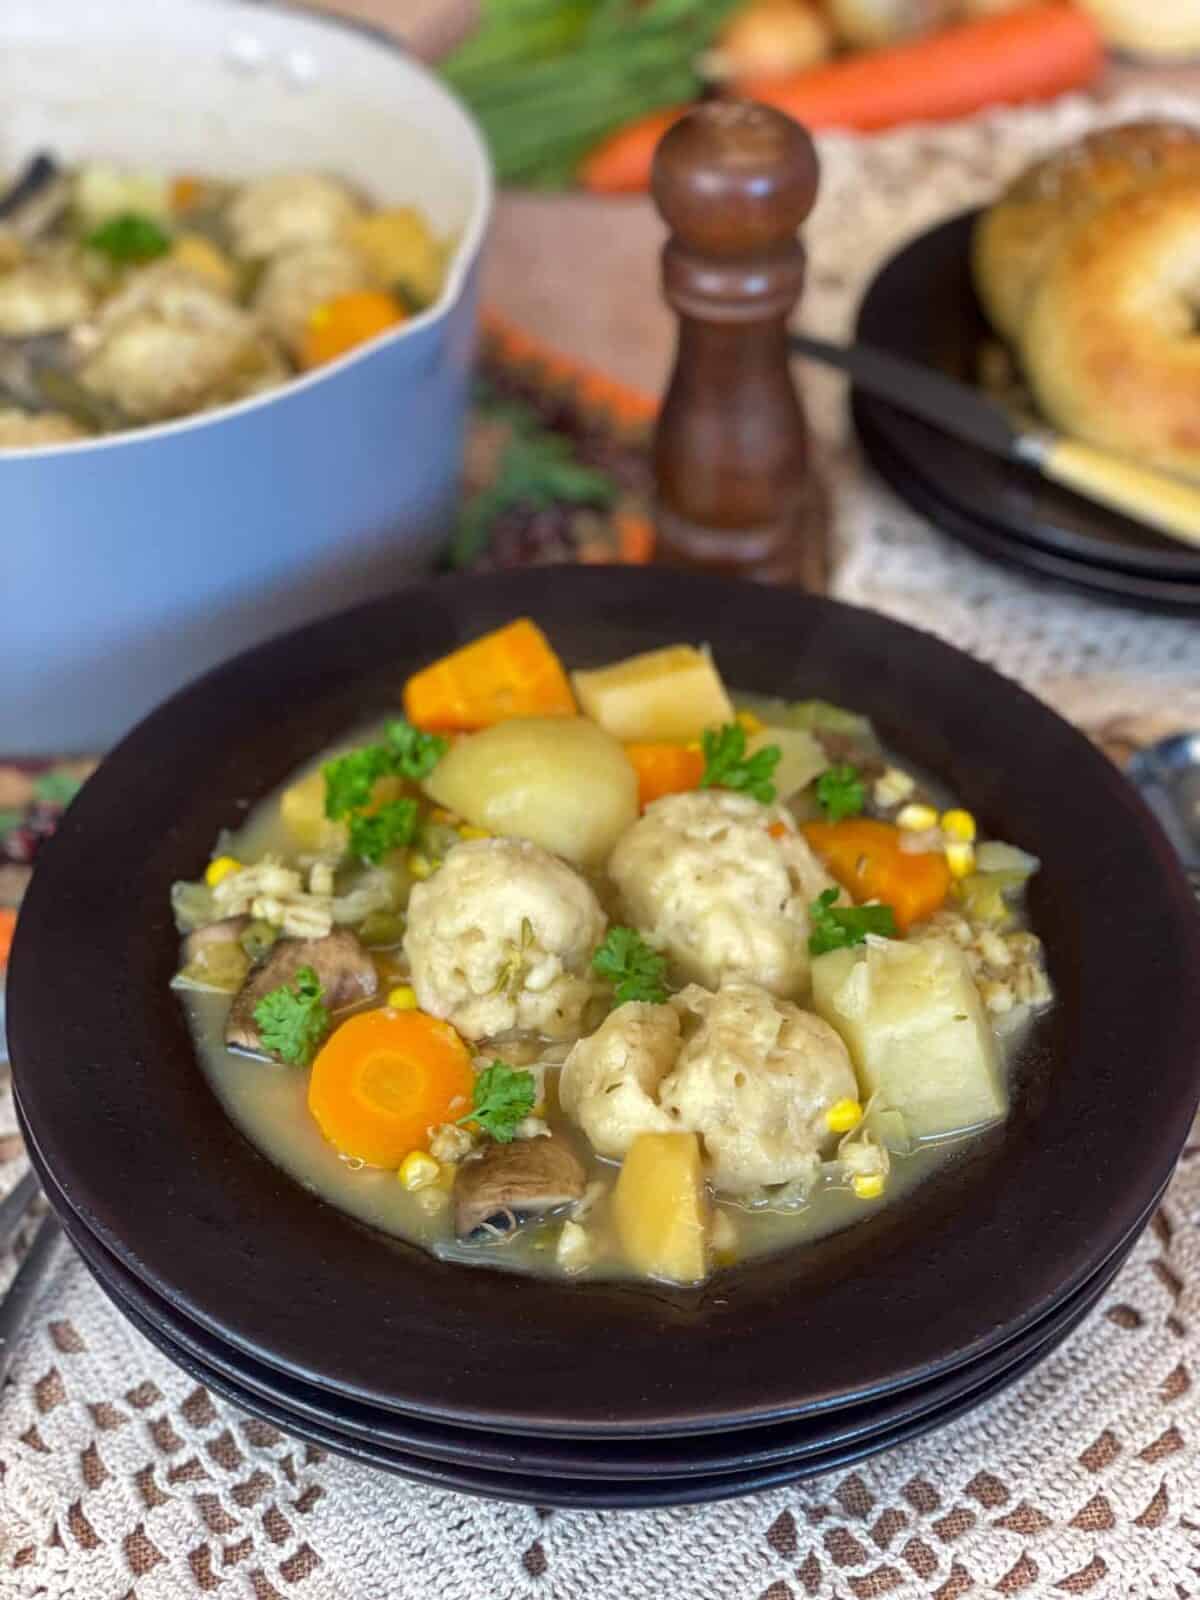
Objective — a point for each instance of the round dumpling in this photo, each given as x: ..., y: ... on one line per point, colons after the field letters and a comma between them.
x: 609, y: 1082
x: 289, y: 209
x: 173, y: 344
x: 298, y: 281
x: 42, y: 297
x: 755, y: 1080
x: 501, y: 939
x: 21, y: 430
x: 722, y: 885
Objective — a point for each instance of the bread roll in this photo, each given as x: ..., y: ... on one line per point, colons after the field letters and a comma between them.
x: 1021, y: 234
x: 1109, y: 341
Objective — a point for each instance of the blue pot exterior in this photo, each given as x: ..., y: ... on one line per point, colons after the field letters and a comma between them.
x: 128, y: 568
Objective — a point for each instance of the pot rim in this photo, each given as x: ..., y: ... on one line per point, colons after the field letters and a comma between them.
x: 465, y: 256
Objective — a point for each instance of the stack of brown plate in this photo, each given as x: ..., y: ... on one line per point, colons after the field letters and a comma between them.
x: 922, y: 306
x: 603, y: 1393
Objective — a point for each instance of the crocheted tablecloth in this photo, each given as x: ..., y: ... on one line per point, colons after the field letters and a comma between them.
x: 120, y: 1477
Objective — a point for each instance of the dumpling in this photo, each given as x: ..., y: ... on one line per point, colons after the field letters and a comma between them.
x: 297, y: 281
x: 288, y: 209
x: 722, y: 885
x: 501, y: 938
x: 755, y: 1080
x: 609, y: 1083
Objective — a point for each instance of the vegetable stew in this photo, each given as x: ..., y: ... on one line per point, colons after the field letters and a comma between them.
x: 497, y: 980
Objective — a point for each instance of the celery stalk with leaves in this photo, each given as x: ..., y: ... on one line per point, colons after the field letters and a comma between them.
x: 549, y: 80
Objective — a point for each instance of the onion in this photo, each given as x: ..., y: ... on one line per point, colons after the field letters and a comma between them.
x: 770, y: 37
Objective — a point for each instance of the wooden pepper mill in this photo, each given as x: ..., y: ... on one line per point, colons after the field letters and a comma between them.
x: 736, y: 492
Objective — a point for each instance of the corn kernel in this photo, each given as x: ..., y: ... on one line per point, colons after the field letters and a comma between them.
x: 959, y: 826
x: 418, y: 1171
x: 749, y: 723
x: 402, y: 998
x: 843, y: 1115
x: 868, y: 1186
x: 960, y: 858
x: 420, y: 866
x: 916, y: 818
x: 468, y: 831
x: 220, y: 869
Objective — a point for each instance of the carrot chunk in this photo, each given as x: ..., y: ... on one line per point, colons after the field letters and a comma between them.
x: 384, y: 1078
x: 866, y: 859
x: 510, y: 673
x: 664, y: 769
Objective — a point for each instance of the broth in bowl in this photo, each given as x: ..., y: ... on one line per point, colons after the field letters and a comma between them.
x: 611, y: 973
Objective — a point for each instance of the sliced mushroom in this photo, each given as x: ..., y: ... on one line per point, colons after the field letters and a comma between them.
x: 345, y: 970
x: 36, y: 198
x: 511, y: 1183
x: 224, y: 932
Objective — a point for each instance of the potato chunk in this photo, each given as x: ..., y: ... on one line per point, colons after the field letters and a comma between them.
x: 661, y: 1210
x: 667, y: 694
x: 560, y: 781
x: 914, y: 1025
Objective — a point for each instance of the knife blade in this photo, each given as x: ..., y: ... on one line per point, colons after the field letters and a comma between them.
x: 1168, y: 504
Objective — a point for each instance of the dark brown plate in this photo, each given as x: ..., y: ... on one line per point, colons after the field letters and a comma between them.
x: 922, y: 306
x: 150, y: 1163
x: 702, y: 1455
x: 478, y: 1474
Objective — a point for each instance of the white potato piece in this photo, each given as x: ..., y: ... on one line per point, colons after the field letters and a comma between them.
x: 560, y: 781
x: 801, y: 758
x: 912, y: 1019
x: 669, y: 694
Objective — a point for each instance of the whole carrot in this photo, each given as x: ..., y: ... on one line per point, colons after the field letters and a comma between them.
x: 1032, y: 53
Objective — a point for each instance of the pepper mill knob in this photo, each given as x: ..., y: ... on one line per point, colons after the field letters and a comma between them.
x: 736, y: 494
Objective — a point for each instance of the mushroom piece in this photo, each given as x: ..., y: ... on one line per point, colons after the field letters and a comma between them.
x: 345, y: 971
x: 212, y: 933
x: 36, y: 198
x: 510, y: 1183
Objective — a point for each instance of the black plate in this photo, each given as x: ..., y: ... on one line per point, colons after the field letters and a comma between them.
x: 975, y: 1256
x: 737, y: 1450
x: 473, y: 1476
x: 922, y: 306
x: 1096, y: 582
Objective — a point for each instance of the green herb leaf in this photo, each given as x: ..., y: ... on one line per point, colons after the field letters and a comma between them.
x: 350, y: 779
x: 841, y: 792
x: 130, y: 237
x: 394, y: 824
x: 56, y: 787
x: 292, y: 1021
x: 503, y: 1098
x: 635, y: 970
x: 414, y: 754
x: 727, y: 766
x: 837, y: 927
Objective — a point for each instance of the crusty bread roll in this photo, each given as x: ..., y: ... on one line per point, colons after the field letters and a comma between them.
x: 1109, y: 342
x: 1022, y: 233
x: 1155, y: 30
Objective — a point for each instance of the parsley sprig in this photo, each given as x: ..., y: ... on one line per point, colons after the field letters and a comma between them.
x: 635, y: 970
x: 405, y: 752
x: 841, y: 792
x: 131, y: 236
x: 503, y: 1097
x: 837, y: 927
x: 727, y: 766
x: 292, y: 1021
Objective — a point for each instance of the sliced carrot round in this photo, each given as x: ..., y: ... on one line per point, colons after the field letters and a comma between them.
x: 347, y: 321
x: 384, y: 1078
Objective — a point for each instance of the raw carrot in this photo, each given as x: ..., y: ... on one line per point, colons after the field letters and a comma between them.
x: 510, y: 673
x: 8, y: 927
x: 383, y: 1079
x: 346, y: 321
x: 1032, y: 53
x: 664, y: 769
x: 866, y: 859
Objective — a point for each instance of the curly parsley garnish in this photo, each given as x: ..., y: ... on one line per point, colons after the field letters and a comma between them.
x: 292, y: 1021
x: 837, y: 927
x: 405, y: 752
x: 841, y: 792
x: 635, y: 970
x: 727, y: 766
x: 373, y: 835
x: 502, y: 1099
x: 129, y: 237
